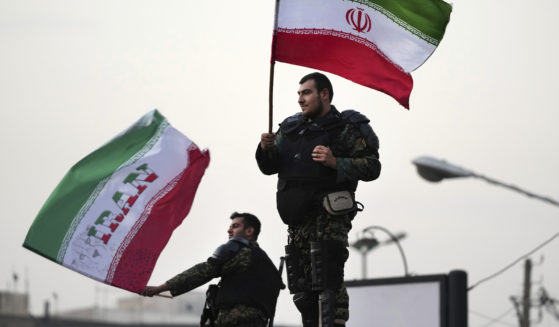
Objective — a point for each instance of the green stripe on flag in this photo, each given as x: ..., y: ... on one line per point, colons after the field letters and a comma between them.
x: 57, y: 215
x: 429, y: 17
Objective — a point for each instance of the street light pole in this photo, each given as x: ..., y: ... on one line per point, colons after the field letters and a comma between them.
x: 435, y: 170
x: 366, y: 244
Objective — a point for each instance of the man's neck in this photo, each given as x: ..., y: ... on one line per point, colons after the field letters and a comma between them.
x: 326, y: 110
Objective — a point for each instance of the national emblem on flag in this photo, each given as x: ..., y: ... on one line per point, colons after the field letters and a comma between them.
x: 375, y: 43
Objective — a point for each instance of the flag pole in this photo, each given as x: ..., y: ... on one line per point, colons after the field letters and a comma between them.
x: 271, y: 98
x: 272, y: 66
x: 164, y: 295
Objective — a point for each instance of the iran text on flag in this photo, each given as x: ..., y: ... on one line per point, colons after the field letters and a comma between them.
x: 375, y: 43
x: 114, y: 211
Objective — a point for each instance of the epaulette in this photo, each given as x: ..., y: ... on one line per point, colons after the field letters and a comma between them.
x: 292, y: 118
x: 354, y: 117
x: 228, y: 250
x: 291, y: 123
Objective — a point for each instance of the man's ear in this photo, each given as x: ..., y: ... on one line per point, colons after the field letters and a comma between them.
x: 249, y: 232
x: 325, y: 94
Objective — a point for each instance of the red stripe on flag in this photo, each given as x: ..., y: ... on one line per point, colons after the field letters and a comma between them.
x: 346, y: 58
x: 136, y: 264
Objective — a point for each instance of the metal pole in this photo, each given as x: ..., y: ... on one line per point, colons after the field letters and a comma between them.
x: 458, y: 299
x: 364, y: 264
x: 518, y: 189
x: 526, y: 303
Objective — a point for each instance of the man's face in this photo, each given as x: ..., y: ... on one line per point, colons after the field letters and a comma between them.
x: 237, y: 228
x: 310, y: 100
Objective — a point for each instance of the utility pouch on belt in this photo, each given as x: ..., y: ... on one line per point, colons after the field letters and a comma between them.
x: 339, y: 203
x: 327, y: 264
x: 317, y: 266
x: 295, y: 277
x: 209, y: 314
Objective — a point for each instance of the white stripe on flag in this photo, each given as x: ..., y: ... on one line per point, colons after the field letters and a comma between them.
x: 94, y: 261
x: 394, y: 39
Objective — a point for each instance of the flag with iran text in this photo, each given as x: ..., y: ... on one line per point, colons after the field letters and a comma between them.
x: 114, y: 211
x: 375, y: 43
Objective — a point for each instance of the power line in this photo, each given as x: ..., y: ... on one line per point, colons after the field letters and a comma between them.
x: 514, y: 262
x: 495, y: 320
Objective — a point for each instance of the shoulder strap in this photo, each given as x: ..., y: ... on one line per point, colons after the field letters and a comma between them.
x: 227, y: 251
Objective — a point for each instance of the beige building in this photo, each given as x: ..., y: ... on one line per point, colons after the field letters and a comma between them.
x: 131, y: 311
x: 185, y: 309
x: 14, y: 303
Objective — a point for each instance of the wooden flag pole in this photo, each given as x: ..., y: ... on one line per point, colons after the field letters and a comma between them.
x: 164, y: 295
x: 272, y: 66
x: 271, y: 98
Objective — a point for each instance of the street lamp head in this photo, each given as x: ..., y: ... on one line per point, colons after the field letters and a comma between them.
x: 396, y: 237
x: 365, y: 244
x: 435, y: 170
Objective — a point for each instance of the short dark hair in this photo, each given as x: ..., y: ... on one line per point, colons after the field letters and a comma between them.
x: 249, y: 220
x: 321, y: 81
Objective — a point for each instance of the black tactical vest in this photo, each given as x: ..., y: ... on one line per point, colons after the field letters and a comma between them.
x: 257, y: 287
x: 299, y: 137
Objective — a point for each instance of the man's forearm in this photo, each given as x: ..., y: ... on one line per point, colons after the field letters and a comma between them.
x: 355, y: 169
x: 192, y: 278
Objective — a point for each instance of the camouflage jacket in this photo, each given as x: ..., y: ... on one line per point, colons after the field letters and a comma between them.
x: 355, y: 149
x: 202, y: 273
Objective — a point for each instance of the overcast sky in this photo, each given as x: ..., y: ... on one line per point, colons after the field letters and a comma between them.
x: 75, y: 73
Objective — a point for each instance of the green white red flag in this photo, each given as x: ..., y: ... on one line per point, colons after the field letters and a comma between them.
x: 375, y: 43
x: 115, y: 210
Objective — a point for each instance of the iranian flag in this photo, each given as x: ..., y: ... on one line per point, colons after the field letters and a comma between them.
x: 114, y: 211
x: 375, y: 43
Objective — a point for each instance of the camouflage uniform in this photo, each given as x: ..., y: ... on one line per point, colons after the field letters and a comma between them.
x: 357, y: 159
x: 239, y: 315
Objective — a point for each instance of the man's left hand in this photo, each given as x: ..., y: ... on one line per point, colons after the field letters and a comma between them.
x: 323, y: 155
x: 154, y: 290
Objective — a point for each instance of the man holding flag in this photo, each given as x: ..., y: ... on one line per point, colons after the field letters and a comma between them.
x: 249, y: 285
x: 319, y: 154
